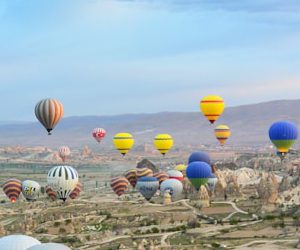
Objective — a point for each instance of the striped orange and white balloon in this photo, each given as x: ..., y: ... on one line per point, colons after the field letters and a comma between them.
x: 64, y: 152
x: 75, y: 193
x: 49, y: 112
x: 119, y: 185
x: 161, y: 176
x: 131, y: 177
x: 12, y: 188
x: 142, y: 172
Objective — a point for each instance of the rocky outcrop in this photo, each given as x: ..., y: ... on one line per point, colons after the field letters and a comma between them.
x: 145, y: 163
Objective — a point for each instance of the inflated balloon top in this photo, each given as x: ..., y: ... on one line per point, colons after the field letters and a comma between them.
x: 163, y: 143
x: 199, y: 156
x: 212, y: 106
x: 49, y: 112
x: 123, y: 142
x: 17, y: 242
x: 99, y: 134
x: 175, y: 174
x: 181, y: 167
x: 283, y: 135
x: 222, y: 133
x: 147, y: 186
x: 49, y: 246
x: 12, y: 188
x: 198, y: 173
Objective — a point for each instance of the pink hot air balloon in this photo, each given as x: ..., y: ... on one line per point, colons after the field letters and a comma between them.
x: 64, y: 152
x: 99, y: 134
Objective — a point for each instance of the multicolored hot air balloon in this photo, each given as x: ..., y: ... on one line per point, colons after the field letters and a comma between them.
x: 147, y: 186
x: 51, y: 194
x: 142, y: 172
x: 119, y: 185
x: 198, y: 173
x: 64, y: 152
x: 131, y: 177
x: 12, y: 188
x: 123, y: 142
x: 49, y: 112
x: 30, y: 190
x: 222, y: 133
x: 212, y: 106
x: 75, y: 193
x: 199, y: 156
x: 174, y: 186
x: 175, y: 174
x: 163, y: 143
x: 161, y: 176
x: 283, y: 135
x: 99, y: 134
x: 62, y: 180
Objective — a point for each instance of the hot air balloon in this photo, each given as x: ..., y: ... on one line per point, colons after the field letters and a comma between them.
x: 181, y: 167
x: 123, y: 142
x: 163, y: 143
x: 175, y: 174
x: 62, y: 180
x: 131, y: 177
x: 17, y: 242
x: 99, y: 134
x: 174, y: 186
x: 49, y: 112
x: 142, y: 172
x: 51, y: 194
x: 64, y: 152
x: 147, y: 186
x: 199, y: 156
x: 211, y: 182
x: 119, y: 185
x: 30, y: 189
x: 222, y: 133
x: 161, y: 176
x: 75, y: 193
x: 212, y: 106
x: 283, y: 135
x: 198, y: 173
x: 12, y: 188
x: 49, y: 246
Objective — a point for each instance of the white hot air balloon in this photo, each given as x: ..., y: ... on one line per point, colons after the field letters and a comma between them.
x: 62, y: 180
x: 30, y: 189
x: 17, y: 242
x: 211, y: 183
x: 174, y: 186
x: 49, y: 246
x: 64, y: 152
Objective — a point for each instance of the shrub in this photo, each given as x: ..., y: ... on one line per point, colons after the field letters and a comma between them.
x: 56, y: 223
x: 62, y: 230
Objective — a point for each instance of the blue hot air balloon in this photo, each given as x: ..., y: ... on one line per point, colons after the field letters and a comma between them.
x: 283, y: 135
x: 199, y: 156
x: 147, y: 186
x: 198, y: 173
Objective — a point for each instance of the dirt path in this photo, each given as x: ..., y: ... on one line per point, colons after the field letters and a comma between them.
x: 249, y: 244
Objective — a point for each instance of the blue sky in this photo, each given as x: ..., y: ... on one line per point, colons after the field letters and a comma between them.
x: 113, y: 57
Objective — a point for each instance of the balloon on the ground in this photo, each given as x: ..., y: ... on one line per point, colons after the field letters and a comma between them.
x: 62, y: 180
x: 173, y: 186
x: 147, y: 186
x: 163, y: 143
x: 119, y: 185
x: 212, y: 106
x: 17, y: 242
x: 12, y: 188
x: 198, y: 173
x: 123, y: 142
x: 99, y: 134
x: 30, y: 189
x: 49, y: 246
x: 181, y: 167
x: 76, y: 192
x: 175, y: 174
x: 222, y: 133
x: 131, y: 176
x: 64, y: 152
x: 161, y: 176
x: 49, y: 112
x: 212, y: 182
x: 51, y: 194
x: 142, y: 172
x: 283, y: 135
x: 199, y: 156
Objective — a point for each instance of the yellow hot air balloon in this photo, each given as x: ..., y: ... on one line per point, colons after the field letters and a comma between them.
x: 163, y: 143
x: 123, y: 142
x: 181, y: 168
x: 212, y: 106
x: 222, y: 133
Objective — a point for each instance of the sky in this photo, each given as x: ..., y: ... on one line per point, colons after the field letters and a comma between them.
x: 107, y: 57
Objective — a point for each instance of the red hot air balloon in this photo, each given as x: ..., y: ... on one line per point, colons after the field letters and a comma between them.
x: 51, y: 194
x: 99, y: 134
x: 75, y: 193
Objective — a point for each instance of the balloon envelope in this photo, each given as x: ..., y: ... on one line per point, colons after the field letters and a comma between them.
x: 161, y: 176
x: 174, y: 186
x: 64, y: 152
x: 17, y: 242
x: 76, y: 192
x: 163, y: 143
x: 211, y: 182
x: 212, y: 106
x: 222, y: 133
x: 131, y: 176
x: 147, y: 186
x: 12, y: 188
x: 198, y: 173
x: 199, y: 156
x: 119, y: 185
x: 30, y: 189
x: 123, y: 142
x: 142, y: 172
x: 175, y: 174
x: 99, y: 134
x: 49, y: 246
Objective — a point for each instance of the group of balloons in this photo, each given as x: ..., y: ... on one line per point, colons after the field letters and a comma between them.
x: 198, y: 171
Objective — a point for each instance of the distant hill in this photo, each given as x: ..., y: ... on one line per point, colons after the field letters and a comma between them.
x: 249, y: 124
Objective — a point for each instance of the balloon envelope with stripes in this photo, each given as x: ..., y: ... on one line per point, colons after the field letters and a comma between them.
x: 64, y: 152
x: 131, y: 177
x: 161, y: 176
x: 163, y: 143
x: 76, y: 192
x: 222, y: 133
x: 142, y: 172
x: 51, y: 194
x: 212, y: 106
x: 12, y: 188
x: 123, y: 142
x: 62, y: 180
x: 119, y: 185
x: 147, y: 186
x: 49, y: 112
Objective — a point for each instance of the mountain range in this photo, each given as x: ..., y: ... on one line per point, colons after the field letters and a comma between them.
x: 249, y: 125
